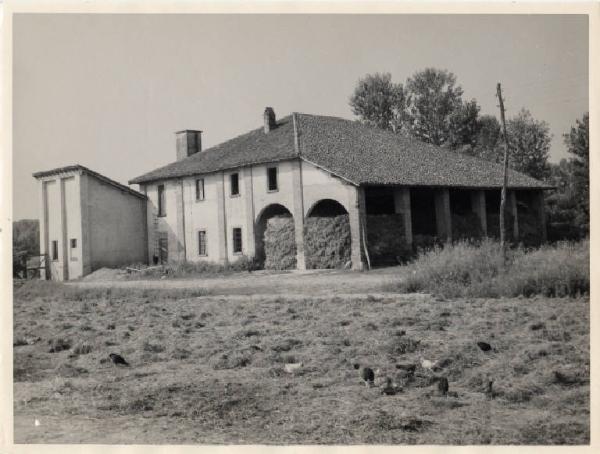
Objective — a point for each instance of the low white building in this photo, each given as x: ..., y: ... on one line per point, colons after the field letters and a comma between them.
x: 88, y: 221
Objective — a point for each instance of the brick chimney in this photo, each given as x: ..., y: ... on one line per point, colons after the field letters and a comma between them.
x: 189, y: 141
x: 269, y: 117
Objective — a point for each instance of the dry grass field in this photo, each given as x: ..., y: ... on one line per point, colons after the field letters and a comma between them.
x: 208, y: 366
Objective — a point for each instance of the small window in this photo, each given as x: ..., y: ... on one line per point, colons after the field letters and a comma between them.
x: 73, y: 250
x: 162, y: 211
x: 200, y: 189
x: 272, y: 179
x: 202, y: 242
x: 54, y: 250
x: 237, y: 240
x: 235, y: 184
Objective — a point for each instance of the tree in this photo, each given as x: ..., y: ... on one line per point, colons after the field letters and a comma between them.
x: 487, y: 142
x: 378, y: 101
x: 432, y: 96
x: 578, y: 145
x: 464, y: 127
x: 529, y: 145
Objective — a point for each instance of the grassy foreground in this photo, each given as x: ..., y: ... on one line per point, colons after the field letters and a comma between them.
x: 210, y: 369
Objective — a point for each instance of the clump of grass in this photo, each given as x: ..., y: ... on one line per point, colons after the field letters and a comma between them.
x: 82, y: 349
x: 153, y: 348
x: 190, y: 269
x: 478, y: 270
x: 58, y: 345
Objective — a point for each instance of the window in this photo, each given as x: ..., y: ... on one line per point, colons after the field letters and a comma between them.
x: 272, y: 179
x: 54, y: 250
x: 235, y: 184
x: 73, y: 250
x: 237, y: 240
x: 202, y: 242
x: 200, y: 189
x: 162, y: 209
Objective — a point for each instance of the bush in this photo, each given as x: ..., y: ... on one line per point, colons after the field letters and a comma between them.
x: 466, y: 269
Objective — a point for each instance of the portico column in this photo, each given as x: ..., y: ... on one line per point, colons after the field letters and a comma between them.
x: 402, y: 206
x: 357, y: 219
x: 541, y: 212
x: 443, y: 217
x: 512, y: 203
x: 298, y: 213
x: 479, y: 208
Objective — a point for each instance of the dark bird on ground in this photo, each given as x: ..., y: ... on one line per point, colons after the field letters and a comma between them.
x: 484, y: 346
x: 489, y: 389
x: 389, y: 389
x: 366, y: 374
x: 409, y: 369
x: 443, y: 386
x: 118, y: 359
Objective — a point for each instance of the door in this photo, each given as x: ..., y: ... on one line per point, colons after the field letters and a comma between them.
x: 163, y: 248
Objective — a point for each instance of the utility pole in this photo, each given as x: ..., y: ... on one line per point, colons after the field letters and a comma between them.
x: 505, y: 182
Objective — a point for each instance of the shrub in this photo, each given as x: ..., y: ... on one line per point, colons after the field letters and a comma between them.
x: 466, y: 269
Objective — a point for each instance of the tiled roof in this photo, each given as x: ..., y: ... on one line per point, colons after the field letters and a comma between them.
x: 82, y: 169
x: 358, y: 153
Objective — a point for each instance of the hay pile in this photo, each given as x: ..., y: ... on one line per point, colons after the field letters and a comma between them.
x: 280, y: 244
x: 466, y: 226
x: 385, y: 239
x: 327, y: 242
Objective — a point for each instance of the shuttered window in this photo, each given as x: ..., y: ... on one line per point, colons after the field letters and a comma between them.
x: 237, y: 240
x: 202, y: 242
x: 272, y: 179
x: 162, y: 209
x: 200, y: 189
x: 235, y: 184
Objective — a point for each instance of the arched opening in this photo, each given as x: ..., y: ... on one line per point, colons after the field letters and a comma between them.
x: 275, y: 238
x: 327, y: 237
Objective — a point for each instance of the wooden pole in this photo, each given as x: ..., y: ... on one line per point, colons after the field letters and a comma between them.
x: 505, y: 181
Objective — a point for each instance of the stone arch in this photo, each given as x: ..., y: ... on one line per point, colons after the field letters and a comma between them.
x: 271, y: 211
x: 327, y: 237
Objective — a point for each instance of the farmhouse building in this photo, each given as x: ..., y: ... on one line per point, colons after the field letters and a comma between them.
x: 305, y: 191
x: 313, y: 191
x: 88, y: 221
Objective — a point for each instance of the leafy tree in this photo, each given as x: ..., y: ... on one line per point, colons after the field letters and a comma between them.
x: 26, y: 243
x: 529, y: 141
x: 432, y: 96
x: 378, y: 101
x: 464, y: 126
x: 578, y: 145
x: 487, y: 142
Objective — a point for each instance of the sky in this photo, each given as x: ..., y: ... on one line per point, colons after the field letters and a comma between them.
x: 109, y: 91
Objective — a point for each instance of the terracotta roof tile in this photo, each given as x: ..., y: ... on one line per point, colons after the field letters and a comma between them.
x: 352, y: 150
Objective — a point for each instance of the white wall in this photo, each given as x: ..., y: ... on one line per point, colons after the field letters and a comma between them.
x: 117, y: 225
x: 239, y: 211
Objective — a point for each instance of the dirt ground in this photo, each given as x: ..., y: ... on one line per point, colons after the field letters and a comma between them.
x: 310, y: 282
x: 211, y: 369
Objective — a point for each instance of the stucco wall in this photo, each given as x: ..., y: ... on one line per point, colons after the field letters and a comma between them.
x: 117, y: 222
x: 73, y: 227
x: 240, y: 210
x: 54, y: 228
x: 318, y: 184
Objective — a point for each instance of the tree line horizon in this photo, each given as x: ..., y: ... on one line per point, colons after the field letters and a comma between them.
x: 430, y: 107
